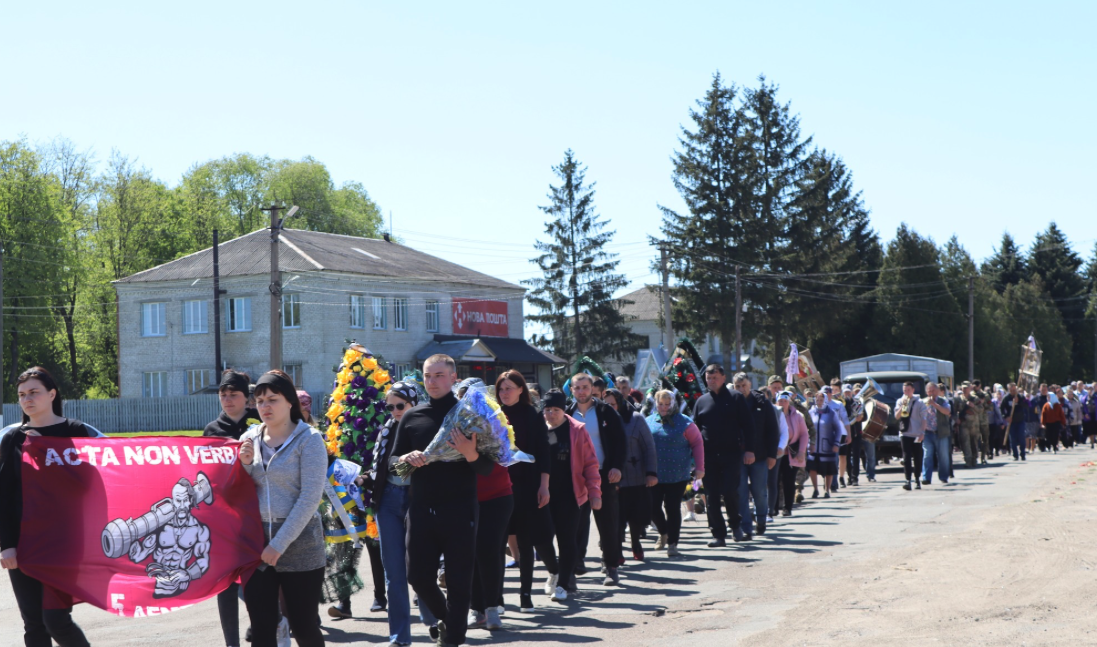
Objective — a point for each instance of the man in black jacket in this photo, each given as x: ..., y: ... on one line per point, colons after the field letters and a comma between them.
x: 723, y: 416
x: 607, y: 433
x: 759, y: 455
x: 443, y: 512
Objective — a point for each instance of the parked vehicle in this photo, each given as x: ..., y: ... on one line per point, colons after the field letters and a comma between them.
x: 938, y: 370
x: 890, y: 384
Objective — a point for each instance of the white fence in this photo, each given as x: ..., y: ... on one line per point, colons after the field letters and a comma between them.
x: 146, y: 414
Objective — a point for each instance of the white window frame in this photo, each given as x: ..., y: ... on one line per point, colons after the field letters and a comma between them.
x: 291, y: 310
x: 154, y: 384
x: 400, y: 313
x: 380, y: 313
x: 357, y: 311
x: 154, y: 319
x: 296, y: 373
x: 195, y: 317
x: 198, y: 379
x: 235, y: 304
x: 432, y: 316
x: 402, y: 370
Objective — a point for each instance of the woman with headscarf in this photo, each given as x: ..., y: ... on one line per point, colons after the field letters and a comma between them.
x: 390, y: 505
x: 1053, y: 419
x: 640, y: 473
x: 288, y: 461
x: 531, y: 522
x: 823, y: 455
x: 1074, y: 413
x: 679, y: 451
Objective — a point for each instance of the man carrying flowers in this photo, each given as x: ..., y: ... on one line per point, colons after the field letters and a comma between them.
x: 443, y: 511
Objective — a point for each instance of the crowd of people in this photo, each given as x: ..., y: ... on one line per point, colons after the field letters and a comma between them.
x: 745, y: 452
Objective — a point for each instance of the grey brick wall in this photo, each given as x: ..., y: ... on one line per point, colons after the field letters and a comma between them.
x: 315, y: 346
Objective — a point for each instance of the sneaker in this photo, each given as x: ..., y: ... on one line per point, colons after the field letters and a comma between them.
x: 872, y: 479
x: 769, y: 519
x: 786, y: 513
x: 434, y: 632
x: 638, y: 555
x: 512, y: 563
x: 661, y: 543
x: 612, y: 579
x: 283, y: 633
x: 560, y: 595
x: 690, y: 517
x: 672, y: 550
x: 738, y: 535
x: 718, y: 543
x: 492, y: 622
x: 378, y: 605
x: 341, y: 610
x: 476, y: 619
x: 550, y: 583
x: 525, y: 604
x: 443, y: 634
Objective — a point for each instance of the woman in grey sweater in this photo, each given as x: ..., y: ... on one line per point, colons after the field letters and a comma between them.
x: 639, y: 474
x: 288, y: 462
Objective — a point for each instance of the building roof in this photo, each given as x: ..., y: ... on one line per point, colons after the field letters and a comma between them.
x: 300, y: 251
x: 503, y: 349
x: 646, y: 304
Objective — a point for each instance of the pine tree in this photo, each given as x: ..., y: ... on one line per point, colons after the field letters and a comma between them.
x: 575, y: 295
x: 991, y: 329
x: 1030, y: 311
x: 1006, y: 266
x: 1058, y: 266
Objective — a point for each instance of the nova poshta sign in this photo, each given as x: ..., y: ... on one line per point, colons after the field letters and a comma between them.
x: 480, y: 318
x: 137, y: 526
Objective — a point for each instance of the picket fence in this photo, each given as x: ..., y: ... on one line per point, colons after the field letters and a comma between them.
x: 145, y: 414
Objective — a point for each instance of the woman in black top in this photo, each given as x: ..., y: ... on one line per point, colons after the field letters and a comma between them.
x: 41, y: 404
x: 530, y: 521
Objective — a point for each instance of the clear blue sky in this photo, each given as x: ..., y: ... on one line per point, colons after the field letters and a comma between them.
x: 965, y: 118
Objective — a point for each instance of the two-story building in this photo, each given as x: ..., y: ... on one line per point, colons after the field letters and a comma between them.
x: 400, y: 303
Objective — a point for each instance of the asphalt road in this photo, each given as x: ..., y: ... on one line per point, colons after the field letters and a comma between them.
x: 1001, y: 555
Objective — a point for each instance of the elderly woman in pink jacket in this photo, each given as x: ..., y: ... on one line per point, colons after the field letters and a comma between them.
x: 573, y: 480
x: 795, y: 456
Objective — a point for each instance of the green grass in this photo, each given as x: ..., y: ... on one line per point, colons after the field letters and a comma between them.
x: 132, y: 434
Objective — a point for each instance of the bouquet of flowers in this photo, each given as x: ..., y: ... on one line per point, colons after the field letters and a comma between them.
x: 475, y: 413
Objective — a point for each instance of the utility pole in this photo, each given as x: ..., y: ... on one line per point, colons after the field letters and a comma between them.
x: 216, y: 309
x: 738, y: 322
x: 668, y: 326
x: 971, y: 328
x: 276, y: 285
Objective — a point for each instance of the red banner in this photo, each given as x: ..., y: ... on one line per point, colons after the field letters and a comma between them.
x: 480, y: 318
x: 137, y: 526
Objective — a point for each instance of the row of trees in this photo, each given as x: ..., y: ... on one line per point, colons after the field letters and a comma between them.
x: 70, y: 225
x: 762, y: 199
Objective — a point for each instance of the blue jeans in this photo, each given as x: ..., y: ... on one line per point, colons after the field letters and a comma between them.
x: 753, y: 481
x: 870, y: 457
x: 771, y: 482
x: 1017, y: 439
x: 936, y: 451
x: 392, y: 532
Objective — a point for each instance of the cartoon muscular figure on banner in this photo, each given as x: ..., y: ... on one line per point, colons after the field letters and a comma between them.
x: 170, y: 534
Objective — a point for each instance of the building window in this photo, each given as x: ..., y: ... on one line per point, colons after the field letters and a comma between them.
x: 239, y: 314
x: 380, y: 321
x: 357, y: 311
x: 402, y: 371
x: 195, y: 317
x: 198, y: 379
x: 154, y: 319
x: 400, y: 314
x: 155, y: 384
x: 295, y: 373
x: 291, y: 310
x: 432, y: 316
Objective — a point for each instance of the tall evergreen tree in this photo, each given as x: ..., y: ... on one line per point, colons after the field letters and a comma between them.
x: 1030, y: 311
x: 1058, y: 266
x: 991, y: 329
x: 1006, y: 266
x: 575, y: 295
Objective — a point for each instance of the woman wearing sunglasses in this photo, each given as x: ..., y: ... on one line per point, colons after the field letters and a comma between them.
x: 390, y: 505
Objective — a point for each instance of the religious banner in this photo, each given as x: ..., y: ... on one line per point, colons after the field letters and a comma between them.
x: 479, y: 317
x: 1028, y: 378
x: 137, y: 526
x: 806, y: 376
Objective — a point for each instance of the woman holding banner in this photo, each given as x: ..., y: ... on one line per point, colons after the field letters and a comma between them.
x: 288, y: 461
x: 41, y: 404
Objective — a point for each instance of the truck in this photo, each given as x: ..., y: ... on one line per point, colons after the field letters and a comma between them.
x: 890, y: 371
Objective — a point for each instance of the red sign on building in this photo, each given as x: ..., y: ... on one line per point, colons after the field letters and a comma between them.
x: 480, y: 318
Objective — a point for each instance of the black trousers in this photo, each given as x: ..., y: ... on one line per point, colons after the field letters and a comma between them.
x: 432, y: 533
x: 302, y: 591
x: 722, y: 469
x: 786, y: 474
x: 668, y: 496
x: 377, y: 569
x: 491, y: 541
x: 565, y: 521
x: 1053, y: 435
x: 228, y: 607
x: 853, y: 463
x: 532, y: 527
x: 635, y: 511
x: 912, y: 457
x: 39, y: 624
x: 606, y: 521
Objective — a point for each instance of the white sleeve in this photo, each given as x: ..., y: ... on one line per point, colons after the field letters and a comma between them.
x: 782, y: 422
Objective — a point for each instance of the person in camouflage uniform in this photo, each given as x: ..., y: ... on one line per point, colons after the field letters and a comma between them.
x: 968, y: 405
x: 982, y: 417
